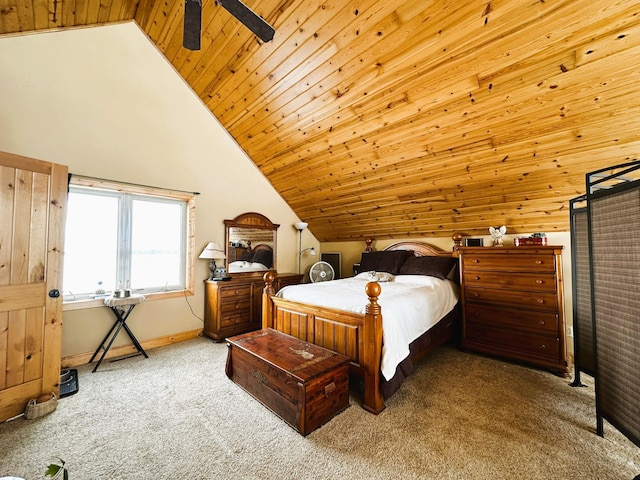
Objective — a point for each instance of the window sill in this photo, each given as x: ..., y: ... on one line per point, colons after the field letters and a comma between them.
x: 99, y: 302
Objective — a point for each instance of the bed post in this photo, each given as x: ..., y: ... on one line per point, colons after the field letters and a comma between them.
x: 267, y: 304
x: 372, y: 346
x: 457, y: 243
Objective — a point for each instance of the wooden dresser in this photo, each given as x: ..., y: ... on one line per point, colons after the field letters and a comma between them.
x: 512, y: 304
x: 235, y: 306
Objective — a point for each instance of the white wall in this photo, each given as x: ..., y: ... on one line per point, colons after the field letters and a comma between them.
x: 106, y: 103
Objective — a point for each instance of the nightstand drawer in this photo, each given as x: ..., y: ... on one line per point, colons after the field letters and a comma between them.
x: 512, y: 298
x: 521, y: 344
x: 531, y: 262
x: 538, y: 282
x: 539, y: 322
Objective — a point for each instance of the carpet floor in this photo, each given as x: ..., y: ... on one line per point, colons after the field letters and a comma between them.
x: 460, y: 416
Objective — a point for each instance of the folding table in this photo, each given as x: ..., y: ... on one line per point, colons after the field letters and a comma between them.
x: 121, y: 308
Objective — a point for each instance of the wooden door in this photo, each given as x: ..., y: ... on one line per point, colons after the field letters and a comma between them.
x: 33, y: 197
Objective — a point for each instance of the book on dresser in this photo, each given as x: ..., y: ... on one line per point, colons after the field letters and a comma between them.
x: 235, y: 306
x: 512, y: 304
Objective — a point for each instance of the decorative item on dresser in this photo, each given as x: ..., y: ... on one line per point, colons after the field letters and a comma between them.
x: 513, y: 304
x: 235, y: 306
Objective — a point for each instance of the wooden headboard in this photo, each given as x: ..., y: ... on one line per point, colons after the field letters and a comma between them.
x: 420, y: 249
x: 262, y: 246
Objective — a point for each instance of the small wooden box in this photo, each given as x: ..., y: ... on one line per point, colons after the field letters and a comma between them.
x: 306, y: 385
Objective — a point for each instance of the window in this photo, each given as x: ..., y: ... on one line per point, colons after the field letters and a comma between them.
x: 126, y: 236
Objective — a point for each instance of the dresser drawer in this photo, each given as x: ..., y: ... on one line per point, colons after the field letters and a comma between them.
x: 517, y: 344
x: 537, y: 281
x: 530, y: 262
x: 546, y: 323
x: 512, y: 298
x: 233, y: 319
x: 230, y: 293
x: 235, y: 305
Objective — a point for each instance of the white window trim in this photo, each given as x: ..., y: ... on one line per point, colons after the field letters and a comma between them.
x: 187, y: 197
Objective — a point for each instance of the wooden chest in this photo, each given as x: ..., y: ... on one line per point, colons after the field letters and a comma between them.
x: 304, y: 384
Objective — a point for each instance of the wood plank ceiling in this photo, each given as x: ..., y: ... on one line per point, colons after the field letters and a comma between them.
x: 405, y: 118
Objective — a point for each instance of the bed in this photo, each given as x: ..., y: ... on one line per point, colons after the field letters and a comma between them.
x: 256, y: 259
x: 359, y: 335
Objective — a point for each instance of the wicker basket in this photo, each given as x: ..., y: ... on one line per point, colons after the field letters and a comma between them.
x: 37, y: 409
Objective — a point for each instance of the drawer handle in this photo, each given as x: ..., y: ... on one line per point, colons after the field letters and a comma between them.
x: 543, y: 347
x: 475, y: 260
x: 329, y: 388
x: 541, y: 322
x: 476, y: 278
x: 540, y: 301
x: 475, y: 294
x: 539, y: 282
x: 538, y: 262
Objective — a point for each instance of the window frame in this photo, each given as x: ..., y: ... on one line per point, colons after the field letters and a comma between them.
x: 161, y: 193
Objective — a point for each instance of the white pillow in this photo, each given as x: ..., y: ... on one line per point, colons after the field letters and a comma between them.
x: 418, y: 279
x: 258, y: 266
x: 239, y: 264
x: 373, y: 276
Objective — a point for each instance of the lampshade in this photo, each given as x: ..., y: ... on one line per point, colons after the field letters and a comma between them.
x: 212, y: 250
x: 301, y: 225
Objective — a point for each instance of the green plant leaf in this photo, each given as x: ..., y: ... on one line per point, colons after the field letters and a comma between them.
x: 52, y: 470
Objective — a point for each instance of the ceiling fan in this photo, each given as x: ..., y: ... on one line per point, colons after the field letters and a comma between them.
x: 193, y: 21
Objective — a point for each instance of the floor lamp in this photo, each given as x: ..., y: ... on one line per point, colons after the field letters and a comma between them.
x: 300, y: 226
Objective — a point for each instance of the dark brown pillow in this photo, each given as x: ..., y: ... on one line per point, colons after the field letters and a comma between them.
x: 264, y: 257
x: 438, y: 267
x: 385, y: 261
x: 246, y: 256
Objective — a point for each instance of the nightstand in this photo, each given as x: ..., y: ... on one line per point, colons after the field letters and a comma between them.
x: 235, y: 306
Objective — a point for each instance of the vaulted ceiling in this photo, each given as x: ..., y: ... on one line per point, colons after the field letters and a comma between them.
x: 405, y: 118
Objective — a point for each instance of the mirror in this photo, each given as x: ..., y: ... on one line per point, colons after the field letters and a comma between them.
x: 250, y: 243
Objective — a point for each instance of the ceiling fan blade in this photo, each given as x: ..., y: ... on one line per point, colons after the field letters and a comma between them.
x: 251, y: 20
x: 192, y: 24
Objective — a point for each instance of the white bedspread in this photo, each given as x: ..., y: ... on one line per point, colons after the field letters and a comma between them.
x: 410, y: 304
x: 240, y: 267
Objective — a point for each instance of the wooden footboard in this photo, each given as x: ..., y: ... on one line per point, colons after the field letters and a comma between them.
x: 357, y: 336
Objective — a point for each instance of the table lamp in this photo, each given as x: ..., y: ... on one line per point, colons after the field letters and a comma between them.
x: 213, y: 251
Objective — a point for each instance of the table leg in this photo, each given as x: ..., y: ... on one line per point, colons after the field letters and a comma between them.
x: 121, y: 319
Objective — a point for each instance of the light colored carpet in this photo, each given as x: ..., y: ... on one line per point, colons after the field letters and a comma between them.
x: 460, y: 416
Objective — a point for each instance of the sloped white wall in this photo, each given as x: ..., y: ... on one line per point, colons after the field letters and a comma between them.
x: 106, y: 103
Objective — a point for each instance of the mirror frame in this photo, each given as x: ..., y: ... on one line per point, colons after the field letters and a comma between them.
x: 250, y: 220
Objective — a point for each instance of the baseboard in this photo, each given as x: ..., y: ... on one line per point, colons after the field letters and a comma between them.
x: 83, y: 358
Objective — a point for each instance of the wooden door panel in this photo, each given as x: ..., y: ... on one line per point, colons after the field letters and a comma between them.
x: 38, y: 223
x: 7, y: 176
x: 33, y: 342
x: 32, y: 201
x: 4, y: 336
